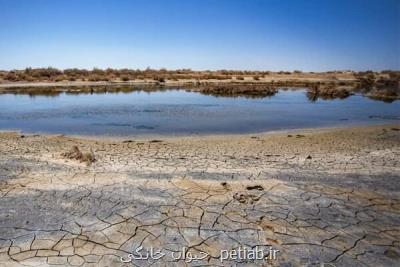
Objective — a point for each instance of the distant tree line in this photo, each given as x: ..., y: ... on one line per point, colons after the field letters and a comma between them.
x: 53, y: 74
x: 161, y: 75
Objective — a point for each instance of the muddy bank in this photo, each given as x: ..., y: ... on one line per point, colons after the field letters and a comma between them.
x: 317, y: 196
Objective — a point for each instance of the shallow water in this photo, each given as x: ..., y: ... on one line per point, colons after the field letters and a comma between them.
x: 177, y: 112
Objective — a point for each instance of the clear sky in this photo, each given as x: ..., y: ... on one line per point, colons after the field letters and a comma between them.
x: 309, y: 35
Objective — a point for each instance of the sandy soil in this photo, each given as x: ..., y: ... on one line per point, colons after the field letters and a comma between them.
x: 317, y: 196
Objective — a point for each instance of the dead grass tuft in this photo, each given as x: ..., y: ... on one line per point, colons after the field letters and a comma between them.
x: 76, y: 154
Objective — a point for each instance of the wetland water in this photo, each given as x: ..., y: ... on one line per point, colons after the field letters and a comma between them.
x: 178, y: 112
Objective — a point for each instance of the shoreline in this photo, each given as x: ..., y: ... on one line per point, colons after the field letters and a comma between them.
x: 148, y: 137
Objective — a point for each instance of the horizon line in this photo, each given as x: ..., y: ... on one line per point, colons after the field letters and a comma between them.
x: 149, y: 68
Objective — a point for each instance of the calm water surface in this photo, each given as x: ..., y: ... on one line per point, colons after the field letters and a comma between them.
x: 180, y: 113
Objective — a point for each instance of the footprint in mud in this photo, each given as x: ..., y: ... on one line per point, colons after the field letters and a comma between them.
x: 255, y: 187
x: 245, y: 198
x: 226, y: 186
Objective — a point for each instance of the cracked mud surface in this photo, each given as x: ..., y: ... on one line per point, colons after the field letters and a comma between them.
x: 318, y: 196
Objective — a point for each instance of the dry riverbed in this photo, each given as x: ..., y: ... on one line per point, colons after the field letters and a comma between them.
x: 317, y: 196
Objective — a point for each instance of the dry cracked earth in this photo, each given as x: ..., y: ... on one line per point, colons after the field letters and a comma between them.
x: 319, y: 197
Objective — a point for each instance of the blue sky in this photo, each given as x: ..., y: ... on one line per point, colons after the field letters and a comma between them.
x: 312, y: 35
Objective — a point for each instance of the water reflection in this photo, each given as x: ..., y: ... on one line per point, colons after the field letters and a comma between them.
x: 158, y: 111
x: 252, y: 91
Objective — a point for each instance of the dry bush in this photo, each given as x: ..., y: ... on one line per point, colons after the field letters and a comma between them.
x: 159, y: 79
x: 60, y: 78
x: 11, y: 76
x: 125, y: 78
